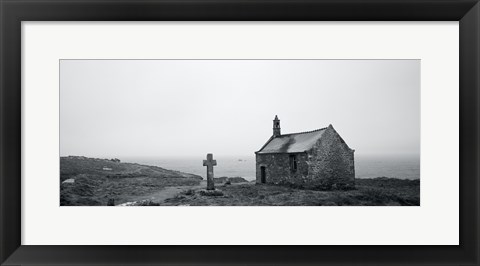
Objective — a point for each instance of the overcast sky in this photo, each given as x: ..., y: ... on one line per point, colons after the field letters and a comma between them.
x: 164, y: 108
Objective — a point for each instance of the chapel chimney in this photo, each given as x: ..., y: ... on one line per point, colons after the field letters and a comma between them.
x: 276, y: 127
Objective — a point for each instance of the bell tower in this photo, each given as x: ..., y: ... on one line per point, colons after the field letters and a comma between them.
x: 276, y: 127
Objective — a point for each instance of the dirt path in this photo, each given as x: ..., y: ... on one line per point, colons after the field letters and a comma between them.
x: 166, y: 193
x: 170, y: 192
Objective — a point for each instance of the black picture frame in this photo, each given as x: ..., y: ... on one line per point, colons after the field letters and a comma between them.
x: 13, y: 12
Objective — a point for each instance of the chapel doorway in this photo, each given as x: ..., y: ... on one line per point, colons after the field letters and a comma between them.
x: 263, y: 175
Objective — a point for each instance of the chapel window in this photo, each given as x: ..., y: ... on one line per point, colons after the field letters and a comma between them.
x: 293, y: 163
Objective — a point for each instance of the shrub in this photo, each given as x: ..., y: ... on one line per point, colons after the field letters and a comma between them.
x: 189, y: 192
x: 111, y: 202
x: 214, y: 193
x: 148, y: 203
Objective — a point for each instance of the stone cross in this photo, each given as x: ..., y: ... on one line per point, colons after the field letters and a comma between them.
x: 209, y: 163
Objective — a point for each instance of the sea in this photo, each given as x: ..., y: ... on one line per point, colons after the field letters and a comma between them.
x: 367, y: 166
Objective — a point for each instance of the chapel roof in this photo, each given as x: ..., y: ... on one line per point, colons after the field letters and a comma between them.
x: 292, y: 143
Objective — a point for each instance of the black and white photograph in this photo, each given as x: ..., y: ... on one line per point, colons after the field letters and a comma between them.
x: 239, y: 132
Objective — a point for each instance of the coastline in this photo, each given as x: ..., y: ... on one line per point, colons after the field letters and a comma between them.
x: 101, y: 182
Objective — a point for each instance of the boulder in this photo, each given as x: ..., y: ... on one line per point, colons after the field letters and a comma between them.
x: 68, y: 181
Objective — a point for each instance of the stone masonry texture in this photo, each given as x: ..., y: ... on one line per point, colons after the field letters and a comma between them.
x: 328, y: 164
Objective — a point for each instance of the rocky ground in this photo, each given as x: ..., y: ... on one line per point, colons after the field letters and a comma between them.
x: 101, y: 182
x: 96, y: 182
x: 368, y: 192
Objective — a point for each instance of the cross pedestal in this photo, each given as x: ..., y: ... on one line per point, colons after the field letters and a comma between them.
x: 210, y: 163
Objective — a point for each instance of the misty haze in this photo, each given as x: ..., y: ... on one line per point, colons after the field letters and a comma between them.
x: 277, y: 132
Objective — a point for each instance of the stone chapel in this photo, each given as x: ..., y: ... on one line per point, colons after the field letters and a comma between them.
x: 317, y: 159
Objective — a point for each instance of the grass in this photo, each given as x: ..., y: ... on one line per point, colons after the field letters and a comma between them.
x: 102, y: 182
x: 368, y: 192
x: 229, y: 180
x: 94, y: 186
